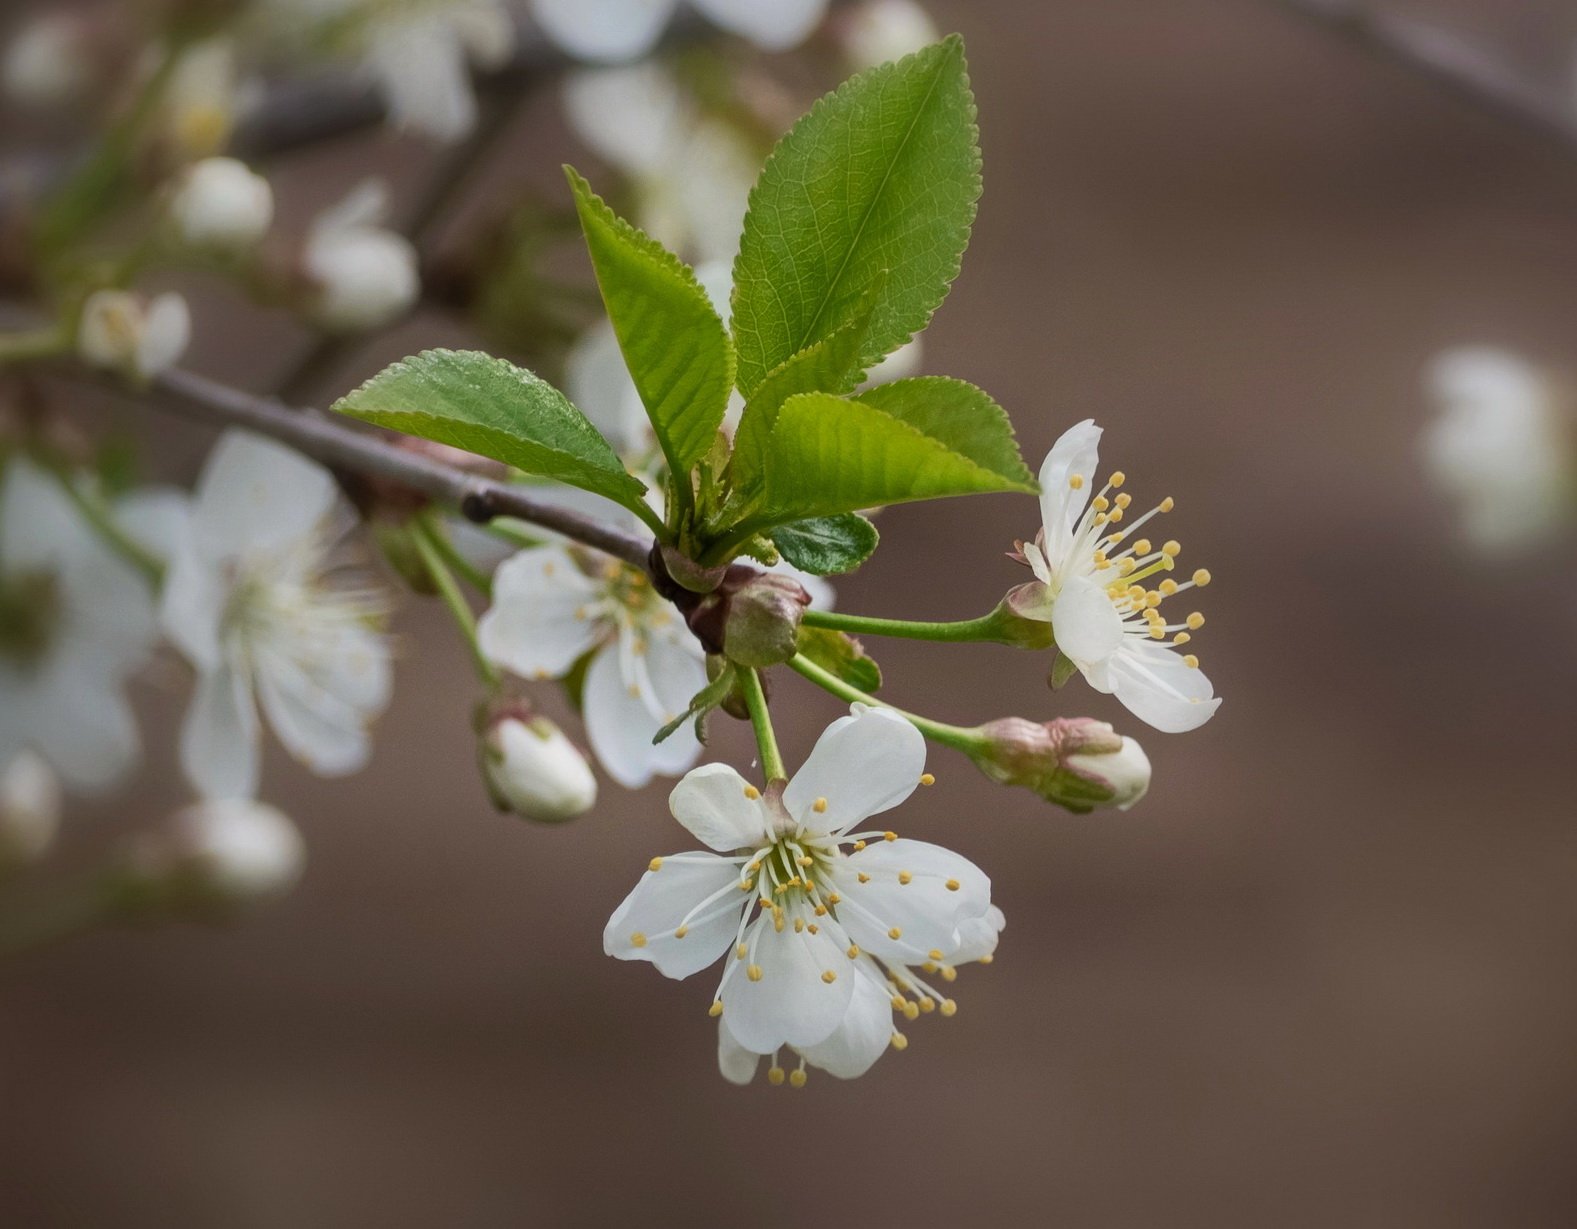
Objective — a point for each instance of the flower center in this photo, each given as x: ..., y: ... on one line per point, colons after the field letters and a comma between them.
x: 1122, y: 566
x: 29, y: 613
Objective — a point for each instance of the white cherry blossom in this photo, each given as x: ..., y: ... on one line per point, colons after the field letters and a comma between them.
x: 824, y: 931
x: 552, y: 605
x: 1499, y: 448
x: 364, y: 274
x: 221, y: 204
x: 617, y: 30
x: 127, y: 332
x: 251, y: 600
x: 1089, y: 573
x: 76, y: 621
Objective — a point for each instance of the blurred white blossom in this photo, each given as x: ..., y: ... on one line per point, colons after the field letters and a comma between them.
x: 29, y: 808
x: 363, y: 274
x: 877, y: 31
x: 222, y: 205
x: 1499, y: 448
x: 534, y: 770
x: 229, y: 851
x: 48, y: 62
x: 1088, y: 587
x: 612, y: 31
x: 124, y: 331
x: 821, y: 928
x: 205, y: 96
x: 552, y: 606
x: 76, y: 621
x: 252, y: 602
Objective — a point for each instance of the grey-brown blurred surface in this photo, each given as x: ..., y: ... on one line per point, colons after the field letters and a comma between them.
x: 1322, y: 976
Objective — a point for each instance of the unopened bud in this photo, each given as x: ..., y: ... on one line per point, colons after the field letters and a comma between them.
x: 29, y: 809
x: 222, y: 205
x: 533, y: 770
x: 215, y: 855
x: 363, y: 276
x: 1075, y: 762
x: 129, y: 333
x: 761, y: 626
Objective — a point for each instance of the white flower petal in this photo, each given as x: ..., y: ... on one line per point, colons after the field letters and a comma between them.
x: 166, y: 332
x: 191, y: 608
x: 219, y: 738
x: 86, y: 730
x: 1085, y: 624
x: 906, y: 888
x: 609, y: 31
x: 319, y: 728
x: 620, y: 725
x: 737, y: 1064
x: 1159, y: 688
x: 720, y: 808
x: 772, y: 25
x: 40, y: 529
x: 423, y: 76
x: 862, y: 765
x: 864, y: 1033
x: 977, y: 936
x: 1076, y: 452
x: 645, y: 926
x: 632, y: 116
x: 257, y: 495
x: 540, y: 623
x: 792, y: 1003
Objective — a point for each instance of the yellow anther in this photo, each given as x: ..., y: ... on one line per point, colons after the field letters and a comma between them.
x: 812, y: 928
x: 741, y: 952
x: 1076, y: 482
x: 1168, y: 586
x: 819, y: 806
x: 930, y: 966
x: 900, y: 1042
x: 895, y: 933
x: 799, y: 925
x: 911, y: 1010
x: 1191, y: 662
x: 905, y: 878
x: 797, y: 1078
x: 752, y: 793
x: 833, y: 898
x: 656, y: 864
x: 821, y: 910
x: 637, y: 939
x: 898, y: 1002
x: 1172, y: 549
x: 580, y: 613
x: 987, y: 958
x: 1181, y: 638
x: 1152, y: 599
x: 1202, y: 578
x: 749, y: 885
x: 776, y: 1075
x: 864, y: 878
x: 778, y: 922
x: 716, y: 1009
x: 952, y: 885
x: 927, y: 778
x: 889, y: 836
x: 828, y: 976
x: 753, y: 972
x: 1117, y: 479
x: 1100, y: 503
x: 1195, y: 621
x: 635, y: 694
x: 1168, y: 504
x: 1123, y: 500
x: 935, y: 953
x: 854, y: 951
x: 858, y: 845
x: 1115, y: 515
x: 1142, y: 546
x: 927, y: 1006
x: 949, y: 1008
x: 549, y: 567
x: 949, y: 973
x: 807, y: 860
x: 1157, y: 631
x: 681, y: 932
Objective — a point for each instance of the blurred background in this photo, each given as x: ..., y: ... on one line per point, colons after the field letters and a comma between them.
x: 1322, y: 975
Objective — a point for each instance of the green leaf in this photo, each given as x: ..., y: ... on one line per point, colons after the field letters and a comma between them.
x: 831, y: 365
x: 958, y: 414
x: 831, y: 455
x: 674, y: 344
x: 491, y: 407
x: 703, y: 702
x: 878, y: 182
x: 842, y: 655
x: 828, y: 545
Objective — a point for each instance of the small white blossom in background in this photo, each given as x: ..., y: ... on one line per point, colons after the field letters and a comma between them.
x: 552, y: 605
x: 534, y: 770
x: 821, y: 928
x: 220, y: 204
x: 48, y: 62
x: 130, y: 333
x: 363, y: 274
x: 692, y: 174
x: 204, y: 98
x: 1088, y: 587
x: 614, y: 31
x: 29, y: 808
x: 222, y: 852
x: 1500, y: 448
x: 76, y: 622
x: 252, y: 602
x: 877, y: 31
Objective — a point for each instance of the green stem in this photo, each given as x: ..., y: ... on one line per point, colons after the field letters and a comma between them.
x: 32, y: 345
x: 103, y: 523
x: 985, y: 628
x: 468, y: 571
x: 761, y: 721
x: 957, y: 737
x: 454, y: 599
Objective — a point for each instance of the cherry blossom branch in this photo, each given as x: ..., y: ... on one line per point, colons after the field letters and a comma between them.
x: 336, y: 445
x: 1449, y: 61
